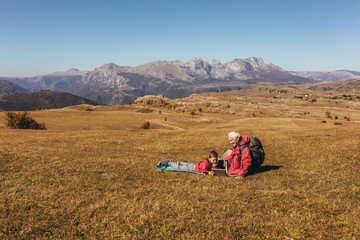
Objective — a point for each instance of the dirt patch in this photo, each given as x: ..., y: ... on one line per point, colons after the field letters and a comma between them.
x: 145, y: 110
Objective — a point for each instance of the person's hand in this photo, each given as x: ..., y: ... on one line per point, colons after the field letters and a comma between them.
x: 239, y: 177
x: 211, y: 173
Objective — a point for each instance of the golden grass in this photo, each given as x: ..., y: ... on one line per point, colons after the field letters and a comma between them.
x: 91, y: 175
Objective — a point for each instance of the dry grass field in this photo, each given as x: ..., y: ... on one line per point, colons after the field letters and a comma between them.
x: 91, y: 175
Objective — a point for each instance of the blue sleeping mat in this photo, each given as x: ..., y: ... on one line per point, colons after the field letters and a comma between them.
x: 170, y: 168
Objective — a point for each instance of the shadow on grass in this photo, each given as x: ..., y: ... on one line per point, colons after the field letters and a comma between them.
x: 263, y: 169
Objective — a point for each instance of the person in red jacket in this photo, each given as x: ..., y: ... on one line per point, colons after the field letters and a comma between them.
x: 239, y: 158
x: 202, y: 167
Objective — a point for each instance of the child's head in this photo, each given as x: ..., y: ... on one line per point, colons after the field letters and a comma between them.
x: 213, y: 158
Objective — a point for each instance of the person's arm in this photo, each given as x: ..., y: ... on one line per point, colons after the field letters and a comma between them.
x: 204, y: 166
x: 233, y: 154
x: 245, y: 163
x: 229, y: 157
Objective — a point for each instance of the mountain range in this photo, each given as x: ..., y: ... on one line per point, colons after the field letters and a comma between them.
x: 112, y: 84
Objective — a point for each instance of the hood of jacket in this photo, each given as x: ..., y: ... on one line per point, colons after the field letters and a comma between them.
x: 244, y: 140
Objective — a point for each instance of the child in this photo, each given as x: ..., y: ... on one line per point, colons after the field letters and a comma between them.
x: 202, y: 167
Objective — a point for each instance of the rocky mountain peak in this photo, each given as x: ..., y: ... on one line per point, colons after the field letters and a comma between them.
x: 214, y: 63
x: 238, y: 65
x: 252, y: 64
x: 108, y: 67
x: 196, y: 64
x: 255, y: 59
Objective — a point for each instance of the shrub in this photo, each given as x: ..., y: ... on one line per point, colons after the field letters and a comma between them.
x: 146, y: 125
x: 89, y: 109
x: 22, y: 121
x: 327, y: 114
x: 313, y: 100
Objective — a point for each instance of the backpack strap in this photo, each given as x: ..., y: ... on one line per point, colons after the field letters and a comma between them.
x: 244, y: 146
x: 241, y: 148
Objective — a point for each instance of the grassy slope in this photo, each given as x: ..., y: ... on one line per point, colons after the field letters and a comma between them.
x: 92, y: 175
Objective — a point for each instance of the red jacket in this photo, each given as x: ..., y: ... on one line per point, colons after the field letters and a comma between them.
x: 203, y: 166
x: 240, y: 167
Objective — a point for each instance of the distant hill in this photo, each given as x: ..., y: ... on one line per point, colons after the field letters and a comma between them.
x: 329, y: 76
x: 350, y: 84
x: 41, y: 99
x: 58, y: 81
x: 9, y: 87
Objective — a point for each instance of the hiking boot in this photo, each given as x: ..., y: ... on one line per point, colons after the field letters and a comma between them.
x: 163, y: 163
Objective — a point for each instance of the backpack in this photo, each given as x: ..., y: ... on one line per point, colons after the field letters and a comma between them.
x: 256, y: 151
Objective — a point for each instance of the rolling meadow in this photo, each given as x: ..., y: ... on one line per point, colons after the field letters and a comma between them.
x: 91, y: 174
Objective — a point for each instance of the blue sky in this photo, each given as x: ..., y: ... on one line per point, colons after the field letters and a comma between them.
x: 44, y: 36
